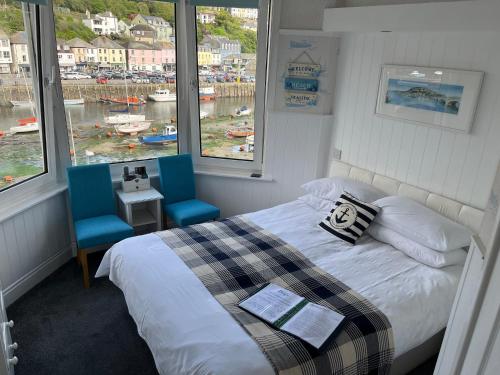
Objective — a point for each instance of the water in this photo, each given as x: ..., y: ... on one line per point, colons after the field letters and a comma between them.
x: 21, y: 155
x: 94, y: 113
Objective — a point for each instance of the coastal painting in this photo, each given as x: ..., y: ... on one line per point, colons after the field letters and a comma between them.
x: 436, y: 96
x: 428, y: 96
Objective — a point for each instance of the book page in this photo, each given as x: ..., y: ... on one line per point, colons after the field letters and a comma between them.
x: 313, y: 324
x: 271, y: 303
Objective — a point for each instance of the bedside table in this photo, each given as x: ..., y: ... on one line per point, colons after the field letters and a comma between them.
x: 141, y: 208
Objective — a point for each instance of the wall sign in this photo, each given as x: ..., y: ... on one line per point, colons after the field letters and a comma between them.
x: 303, y: 70
x: 301, y: 84
x: 297, y: 99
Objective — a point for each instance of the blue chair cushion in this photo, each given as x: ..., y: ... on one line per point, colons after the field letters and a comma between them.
x: 191, y: 212
x: 101, y: 230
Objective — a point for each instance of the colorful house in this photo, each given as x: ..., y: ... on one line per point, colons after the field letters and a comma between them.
x: 110, y: 54
x: 86, y: 55
x: 168, y: 54
x: 205, y: 56
x: 142, y: 56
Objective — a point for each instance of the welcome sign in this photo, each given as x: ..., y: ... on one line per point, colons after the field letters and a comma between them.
x: 303, y: 69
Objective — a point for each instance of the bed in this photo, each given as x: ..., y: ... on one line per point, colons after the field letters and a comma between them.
x: 189, y: 332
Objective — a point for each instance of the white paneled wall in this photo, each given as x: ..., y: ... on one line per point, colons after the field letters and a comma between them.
x: 32, y: 244
x: 296, y: 151
x: 460, y: 166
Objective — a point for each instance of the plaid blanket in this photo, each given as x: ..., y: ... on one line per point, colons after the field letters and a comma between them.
x: 234, y: 257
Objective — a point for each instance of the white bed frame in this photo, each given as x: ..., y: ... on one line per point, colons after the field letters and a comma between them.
x: 469, y: 216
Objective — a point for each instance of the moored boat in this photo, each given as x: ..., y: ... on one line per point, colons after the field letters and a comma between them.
x: 74, y: 101
x: 163, y: 95
x: 131, y: 100
x: 239, y: 133
x: 207, y: 93
x: 169, y: 135
x: 133, y: 127
x: 243, y: 111
x: 22, y: 103
x: 26, y: 125
x: 124, y: 119
x: 203, y: 115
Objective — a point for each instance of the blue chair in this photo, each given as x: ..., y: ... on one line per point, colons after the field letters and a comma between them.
x: 178, y: 187
x: 94, y: 212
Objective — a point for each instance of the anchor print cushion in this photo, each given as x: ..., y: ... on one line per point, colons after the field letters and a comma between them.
x: 349, y: 218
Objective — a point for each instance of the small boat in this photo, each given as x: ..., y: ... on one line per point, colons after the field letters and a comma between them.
x: 124, y: 119
x: 207, y: 93
x: 22, y: 103
x: 169, y: 135
x: 243, y: 111
x: 74, y: 101
x: 131, y: 100
x: 203, y: 115
x: 239, y: 133
x: 105, y: 99
x: 133, y: 127
x: 26, y: 125
x: 163, y: 96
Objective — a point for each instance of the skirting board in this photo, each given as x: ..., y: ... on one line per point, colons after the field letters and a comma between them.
x: 36, y: 275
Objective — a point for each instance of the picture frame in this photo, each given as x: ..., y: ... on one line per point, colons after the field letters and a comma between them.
x: 428, y: 95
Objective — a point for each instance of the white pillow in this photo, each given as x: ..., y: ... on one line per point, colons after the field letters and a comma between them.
x: 318, y: 204
x: 421, y: 224
x: 416, y: 251
x: 332, y: 188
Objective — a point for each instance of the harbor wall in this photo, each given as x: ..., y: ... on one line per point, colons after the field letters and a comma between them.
x: 92, y: 92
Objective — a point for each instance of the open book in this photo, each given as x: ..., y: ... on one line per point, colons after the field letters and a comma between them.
x: 285, y: 310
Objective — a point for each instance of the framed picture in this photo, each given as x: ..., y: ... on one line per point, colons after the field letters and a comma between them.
x: 434, y: 96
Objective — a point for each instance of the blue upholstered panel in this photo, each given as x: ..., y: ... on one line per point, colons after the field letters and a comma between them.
x: 177, y: 178
x: 101, y: 230
x: 191, y: 212
x: 91, y: 191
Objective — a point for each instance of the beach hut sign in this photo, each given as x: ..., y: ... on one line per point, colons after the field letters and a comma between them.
x: 296, y: 69
x: 301, y: 99
x: 301, y: 84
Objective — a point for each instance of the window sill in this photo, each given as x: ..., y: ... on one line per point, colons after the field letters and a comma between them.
x: 233, y: 174
x: 18, y: 206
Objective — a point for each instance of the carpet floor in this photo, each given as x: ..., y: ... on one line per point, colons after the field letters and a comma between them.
x: 63, y: 329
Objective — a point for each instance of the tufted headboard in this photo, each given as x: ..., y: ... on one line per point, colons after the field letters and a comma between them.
x: 469, y: 216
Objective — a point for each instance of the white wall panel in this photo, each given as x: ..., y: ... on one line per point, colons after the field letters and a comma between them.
x: 33, y: 244
x: 460, y: 166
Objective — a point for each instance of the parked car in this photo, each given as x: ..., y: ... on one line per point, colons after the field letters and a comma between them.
x: 171, y: 79
x: 102, y: 80
x: 77, y: 75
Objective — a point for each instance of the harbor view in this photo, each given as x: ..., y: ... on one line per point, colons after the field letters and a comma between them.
x: 117, y: 64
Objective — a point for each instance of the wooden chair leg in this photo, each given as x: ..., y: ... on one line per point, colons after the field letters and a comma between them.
x: 78, y: 261
x: 85, y: 269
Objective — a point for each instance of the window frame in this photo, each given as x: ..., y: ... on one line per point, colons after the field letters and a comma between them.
x: 261, y: 74
x: 40, y: 57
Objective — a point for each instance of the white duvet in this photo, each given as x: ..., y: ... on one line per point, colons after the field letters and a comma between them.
x: 189, y: 332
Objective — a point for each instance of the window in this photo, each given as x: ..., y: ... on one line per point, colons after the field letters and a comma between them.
x: 22, y: 132
x: 231, y: 100
x: 121, y: 119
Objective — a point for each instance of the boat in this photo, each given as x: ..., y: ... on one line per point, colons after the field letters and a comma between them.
x: 22, y: 103
x: 203, y: 115
x: 207, y: 93
x: 169, y: 135
x: 130, y: 100
x: 124, y: 119
x: 133, y: 127
x: 26, y: 125
x: 239, y: 133
x: 243, y: 111
x: 163, y: 96
x: 74, y: 101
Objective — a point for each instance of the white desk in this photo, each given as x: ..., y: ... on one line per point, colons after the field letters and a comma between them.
x: 141, y: 207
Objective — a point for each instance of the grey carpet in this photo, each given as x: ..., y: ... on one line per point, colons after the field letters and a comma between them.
x: 63, y: 329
